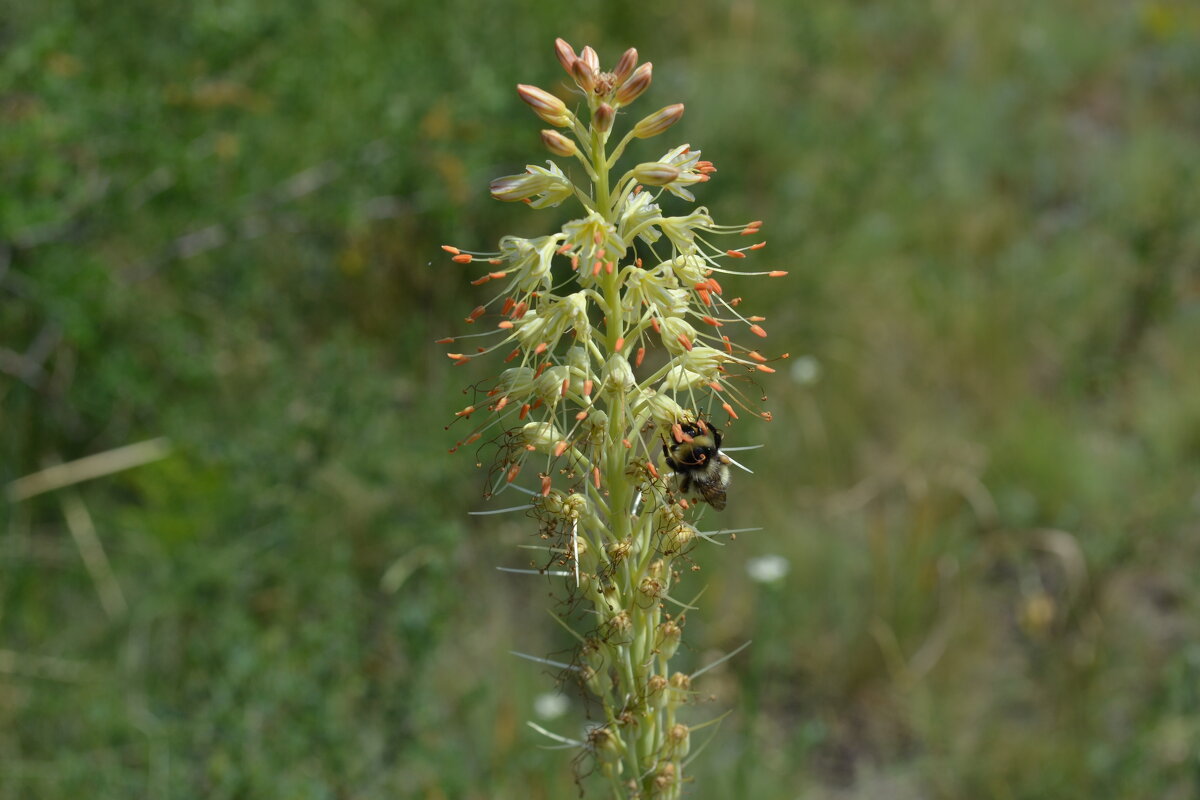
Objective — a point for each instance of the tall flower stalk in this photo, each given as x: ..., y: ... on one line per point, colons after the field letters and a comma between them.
x: 620, y: 341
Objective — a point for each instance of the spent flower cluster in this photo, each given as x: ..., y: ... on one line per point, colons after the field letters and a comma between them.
x: 622, y: 344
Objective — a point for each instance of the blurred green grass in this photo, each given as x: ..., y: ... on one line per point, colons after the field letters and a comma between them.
x: 220, y: 224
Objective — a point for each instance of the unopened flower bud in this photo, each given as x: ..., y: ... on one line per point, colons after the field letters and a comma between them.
x: 566, y: 53
x: 625, y: 66
x: 558, y: 144
x: 631, y: 89
x: 585, y: 76
x: 655, y: 173
x: 658, y: 122
x: 545, y: 105
x: 602, y: 120
x: 589, y: 57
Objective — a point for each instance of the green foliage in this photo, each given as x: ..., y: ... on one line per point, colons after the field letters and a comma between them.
x: 217, y: 224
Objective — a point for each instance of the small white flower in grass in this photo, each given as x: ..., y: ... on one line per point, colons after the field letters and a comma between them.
x: 767, y: 569
x: 550, y: 705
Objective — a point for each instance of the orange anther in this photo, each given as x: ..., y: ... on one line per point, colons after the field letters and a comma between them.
x: 541, y: 348
x: 545, y: 485
x: 466, y: 412
x: 566, y: 383
x: 716, y: 287
x: 757, y: 356
x: 735, y: 254
x: 758, y: 246
x: 524, y: 412
x: 451, y: 249
x: 729, y: 410
x: 541, y: 368
x: 504, y: 323
x: 749, y: 231
x: 641, y: 353
x: 461, y: 361
x: 683, y: 340
x: 596, y: 476
x: 582, y: 415
x: 653, y: 470
x: 716, y: 387
x: 609, y: 266
x: 712, y: 321
x: 495, y: 261
x: 620, y: 345
x: 757, y: 319
x: 481, y: 281
x: 497, y: 275
x: 654, y: 324
x: 704, y: 297
x: 777, y: 273
x: 462, y: 258
x: 508, y: 305
x: 474, y: 437
x: 560, y: 448
x: 677, y: 432
x: 501, y: 403
x: 455, y: 356
x: 764, y: 368
x: 599, y: 265
x: 587, y: 387
x: 627, y: 443
x: 766, y: 415
x: 513, y: 471
x: 476, y: 313
x: 519, y: 309
x: 516, y: 352
x: 758, y: 331
x: 447, y: 340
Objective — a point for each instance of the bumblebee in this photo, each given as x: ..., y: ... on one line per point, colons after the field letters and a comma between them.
x: 698, y: 463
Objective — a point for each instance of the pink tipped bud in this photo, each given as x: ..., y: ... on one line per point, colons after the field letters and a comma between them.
x: 658, y: 122
x: 625, y: 66
x: 566, y: 53
x: 602, y: 120
x: 589, y: 57
x: 638, y: 82
x: 655, y: 173
x: 558, y: 144
x: 584, y: 75
x: 545, y: 105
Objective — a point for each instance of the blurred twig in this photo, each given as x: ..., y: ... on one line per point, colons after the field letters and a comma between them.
x: 85, y: 469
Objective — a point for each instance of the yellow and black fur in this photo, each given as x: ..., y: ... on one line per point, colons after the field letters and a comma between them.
x: 698, y: 464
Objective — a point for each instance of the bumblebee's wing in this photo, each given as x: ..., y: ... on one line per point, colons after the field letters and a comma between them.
x: 713, y: 485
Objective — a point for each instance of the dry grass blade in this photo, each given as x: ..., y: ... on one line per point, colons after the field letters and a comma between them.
x: 88, y: 468
x: 83, y: 531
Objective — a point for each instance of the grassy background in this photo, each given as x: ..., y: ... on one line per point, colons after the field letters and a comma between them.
x: 219, y: 223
